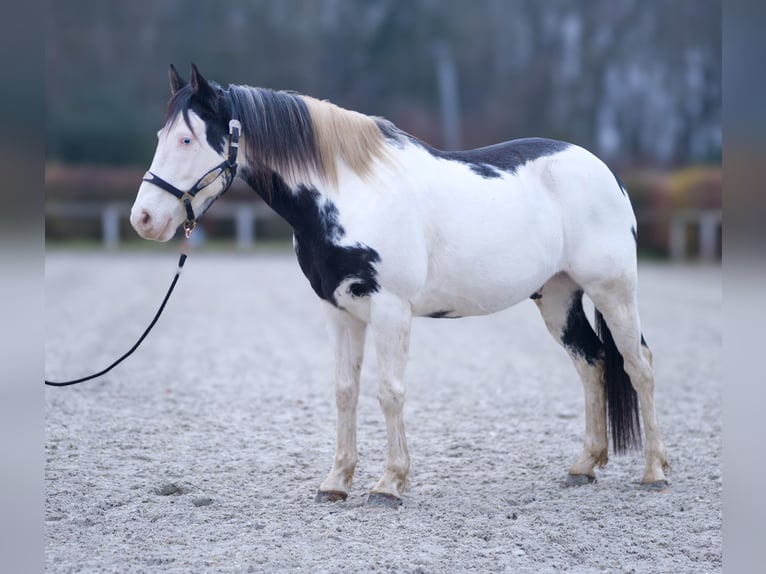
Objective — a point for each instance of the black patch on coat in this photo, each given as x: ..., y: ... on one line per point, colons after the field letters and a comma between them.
x: 393, y: 134
x: 485, y: 170
x: 317, y: 233
x: 578, y: 336
x: 536, y: 295
x: 442, y: 315
x: 488, y: 162
x: 635, y: 234
x: 491, y: 161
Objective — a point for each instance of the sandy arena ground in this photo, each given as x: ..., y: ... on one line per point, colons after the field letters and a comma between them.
x: 203, y: 452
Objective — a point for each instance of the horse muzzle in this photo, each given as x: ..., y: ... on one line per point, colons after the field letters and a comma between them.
x: 151, y: 226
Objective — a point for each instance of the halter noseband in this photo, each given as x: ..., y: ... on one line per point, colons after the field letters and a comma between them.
x: 227, y: 168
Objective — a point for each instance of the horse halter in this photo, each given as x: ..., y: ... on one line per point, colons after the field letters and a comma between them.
x: 227, y: 168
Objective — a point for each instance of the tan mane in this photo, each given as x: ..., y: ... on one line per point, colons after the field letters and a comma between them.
x: 344, y: 135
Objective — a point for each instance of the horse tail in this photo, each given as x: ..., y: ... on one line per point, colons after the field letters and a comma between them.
x: 621, y: 398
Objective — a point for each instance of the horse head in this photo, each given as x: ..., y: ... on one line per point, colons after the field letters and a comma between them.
x: 192, y: 166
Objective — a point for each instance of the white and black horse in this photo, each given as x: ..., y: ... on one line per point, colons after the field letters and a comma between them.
x: 387, y: 228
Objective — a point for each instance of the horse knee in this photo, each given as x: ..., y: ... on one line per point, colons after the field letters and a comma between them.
x: 346, y: 394
x: 391, y: 396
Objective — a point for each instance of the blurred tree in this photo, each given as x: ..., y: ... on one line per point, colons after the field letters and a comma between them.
x: 637, y: 81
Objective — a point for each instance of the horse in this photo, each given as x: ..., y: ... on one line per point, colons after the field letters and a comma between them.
x: 387, y: 228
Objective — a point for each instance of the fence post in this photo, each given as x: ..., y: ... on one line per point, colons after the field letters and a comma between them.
x: 708, y: 235
x: 678, y: 237
x: 245, y: 228
x: 110, y: 226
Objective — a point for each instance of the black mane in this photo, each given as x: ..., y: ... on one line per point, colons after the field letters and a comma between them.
x: 280, y: 132
x: 276, y: 124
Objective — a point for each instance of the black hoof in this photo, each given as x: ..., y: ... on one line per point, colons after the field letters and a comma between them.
x: 382, y: 500
x: 656, y: 486
x: 330, y: 496
x: 579, y: 479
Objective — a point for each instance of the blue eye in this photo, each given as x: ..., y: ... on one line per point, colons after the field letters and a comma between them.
x: 186, y: 141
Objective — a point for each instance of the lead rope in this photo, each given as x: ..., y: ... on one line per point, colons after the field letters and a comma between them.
x: 181, y: 262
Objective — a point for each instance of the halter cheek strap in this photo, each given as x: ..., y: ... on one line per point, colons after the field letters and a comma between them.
x: 227, y: 168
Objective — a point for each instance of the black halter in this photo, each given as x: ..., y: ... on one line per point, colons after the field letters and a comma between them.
x: 227, y: 168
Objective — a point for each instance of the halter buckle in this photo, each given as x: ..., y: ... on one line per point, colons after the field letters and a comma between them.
x: 189, y: 227
x: 235, y: 124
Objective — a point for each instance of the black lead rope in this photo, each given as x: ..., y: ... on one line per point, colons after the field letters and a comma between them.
x: 181, y: 262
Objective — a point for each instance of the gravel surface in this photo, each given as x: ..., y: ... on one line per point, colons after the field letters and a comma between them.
x: 203, y: 452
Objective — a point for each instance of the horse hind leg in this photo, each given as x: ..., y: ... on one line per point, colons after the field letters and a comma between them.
x: 628, y: 360
x: 560, y: 303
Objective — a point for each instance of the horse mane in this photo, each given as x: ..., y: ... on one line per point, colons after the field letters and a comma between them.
x: 299, y: 136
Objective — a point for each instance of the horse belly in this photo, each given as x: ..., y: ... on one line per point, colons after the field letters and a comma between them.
x: 489, y: 253
x: 476, y: 291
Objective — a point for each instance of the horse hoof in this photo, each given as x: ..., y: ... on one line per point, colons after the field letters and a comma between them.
x: 383, y: 500
x: 579, y: 479
x: 330, y: 496
x: 656, y: 486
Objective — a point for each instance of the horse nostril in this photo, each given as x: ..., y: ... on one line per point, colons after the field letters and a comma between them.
x: 145, y: 219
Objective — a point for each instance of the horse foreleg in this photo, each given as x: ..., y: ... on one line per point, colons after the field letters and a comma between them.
x: 347, y: 334
x: 390, y: 322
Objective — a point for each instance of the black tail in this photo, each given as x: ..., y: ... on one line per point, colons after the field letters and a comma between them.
x: 621, y: 398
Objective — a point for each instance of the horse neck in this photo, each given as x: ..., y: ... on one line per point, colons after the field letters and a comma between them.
x: 290, y: 199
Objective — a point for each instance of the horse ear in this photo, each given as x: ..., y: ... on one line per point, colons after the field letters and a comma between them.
x: 200, y: 86
x: 176, y: 81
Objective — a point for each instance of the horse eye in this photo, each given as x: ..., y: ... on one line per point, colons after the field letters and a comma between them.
x: 186, y: 141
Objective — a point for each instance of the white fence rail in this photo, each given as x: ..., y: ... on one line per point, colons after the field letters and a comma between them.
x: 246, y: 215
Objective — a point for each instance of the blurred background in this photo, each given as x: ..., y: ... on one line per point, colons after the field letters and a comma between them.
x: 637, y: 82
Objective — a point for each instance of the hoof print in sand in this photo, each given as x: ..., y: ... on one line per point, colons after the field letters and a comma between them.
x: 579, y: 480
x: 330, y: 496
x: 381, y: 500
x: 171, y: 489
x: 656, y: 486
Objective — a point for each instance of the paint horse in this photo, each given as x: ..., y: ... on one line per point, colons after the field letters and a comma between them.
x: 387, y: 228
